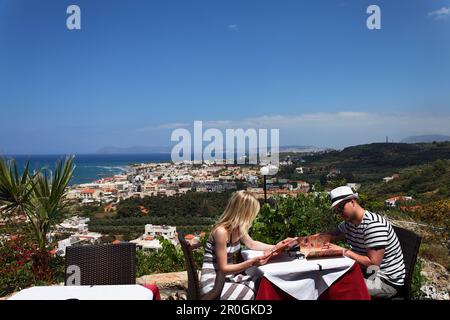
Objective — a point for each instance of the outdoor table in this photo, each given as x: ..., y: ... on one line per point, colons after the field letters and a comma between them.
x: 107, y: 292
x: 286, y: 277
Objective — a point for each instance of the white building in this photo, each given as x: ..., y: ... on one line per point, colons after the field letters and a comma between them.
x: 73, y: 224
x: 148, y: 239
x: 85, y: 238
x: 168, y: 232
x: 392, y: 202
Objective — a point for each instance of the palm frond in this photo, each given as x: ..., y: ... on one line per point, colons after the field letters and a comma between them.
x: 15, y: 189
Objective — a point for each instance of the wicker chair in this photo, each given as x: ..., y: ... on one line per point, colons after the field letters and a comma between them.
x: 193, y: 292
x: 410, y: 242
x: 110, y: 264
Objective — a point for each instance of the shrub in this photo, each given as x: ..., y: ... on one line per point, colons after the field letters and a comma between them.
x: 16, y: 266
x: 15, y: 277
x: 169, y: 258
x: 294, y: 216
x: 437, y: 214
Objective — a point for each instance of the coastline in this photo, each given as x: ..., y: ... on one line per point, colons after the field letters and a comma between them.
x: 90, y: 167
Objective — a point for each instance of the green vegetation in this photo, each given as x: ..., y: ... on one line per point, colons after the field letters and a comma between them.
x: 17, y: 266
x: 424, y: 174
x: 192, y: 204
x: 294, y: 216
x: 424, y: 183
x: 41, y: 199
x: 190, y: 212
x: 369, y: 162
x: 131, y: 228
x: 168, y: 259
x: 429, y: 186
x: 417, y: 281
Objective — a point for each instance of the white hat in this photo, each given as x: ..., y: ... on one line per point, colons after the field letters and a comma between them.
x: 340, y: 194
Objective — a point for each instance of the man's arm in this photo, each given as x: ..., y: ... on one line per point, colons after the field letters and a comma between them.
x: 374, y: 255
x: 373, y: 258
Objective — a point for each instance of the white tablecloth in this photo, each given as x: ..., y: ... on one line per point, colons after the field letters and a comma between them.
x: 117, y: 292
x: 303, y: 279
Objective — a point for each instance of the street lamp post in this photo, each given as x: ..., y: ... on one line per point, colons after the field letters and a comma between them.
x: 265, y: 188
x: 265, y: 171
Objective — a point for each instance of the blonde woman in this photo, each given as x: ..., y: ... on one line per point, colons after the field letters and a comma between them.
x: 224, y: 241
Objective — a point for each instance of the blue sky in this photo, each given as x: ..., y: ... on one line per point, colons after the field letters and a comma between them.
x: 138, y: 69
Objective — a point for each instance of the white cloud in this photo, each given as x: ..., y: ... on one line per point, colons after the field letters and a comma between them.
x: 338, y: 129
x: 233, y: 27
x: 440, y: 14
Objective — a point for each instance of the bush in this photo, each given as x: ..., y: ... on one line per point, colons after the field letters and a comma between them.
x: 437, y: 214
x: 169, y: 258
x: 294, y: 216
x: 16, y: 266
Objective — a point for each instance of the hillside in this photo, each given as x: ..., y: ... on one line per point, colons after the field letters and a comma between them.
x: 426, y: 138
x: 425, y: 183
x: 371, y: 162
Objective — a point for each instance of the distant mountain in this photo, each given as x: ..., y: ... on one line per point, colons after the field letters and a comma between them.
x: 426, y: 138
x: 134, y: 150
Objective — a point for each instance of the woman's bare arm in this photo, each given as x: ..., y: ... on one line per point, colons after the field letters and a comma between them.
x: 220, y: 238
x: 256, y: 245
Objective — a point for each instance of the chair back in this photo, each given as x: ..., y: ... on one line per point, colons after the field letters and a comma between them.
x: 193, y: 290
x: 410, y: 243
x: 108, y: 264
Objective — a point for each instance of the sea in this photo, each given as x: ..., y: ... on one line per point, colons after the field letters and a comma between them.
x: 90, y: 167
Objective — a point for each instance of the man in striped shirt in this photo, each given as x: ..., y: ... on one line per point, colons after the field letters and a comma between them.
x: 374, y: 244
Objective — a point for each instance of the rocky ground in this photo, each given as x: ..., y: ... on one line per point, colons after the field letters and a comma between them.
x: 437, y: 277
x: 437, y: 281
x: 172, y: 286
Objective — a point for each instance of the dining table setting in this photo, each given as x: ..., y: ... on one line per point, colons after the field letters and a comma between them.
x: 290, y: 275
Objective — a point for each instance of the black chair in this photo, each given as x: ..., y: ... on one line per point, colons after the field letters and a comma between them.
x: 193, y: 290
x: 410, y: 243
x: 109, y: 264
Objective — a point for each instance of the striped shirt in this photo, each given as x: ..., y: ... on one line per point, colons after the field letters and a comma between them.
x: 237, y: 286
x: 374, y: 231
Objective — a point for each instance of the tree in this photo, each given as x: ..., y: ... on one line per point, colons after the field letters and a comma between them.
x: 41, y: 198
